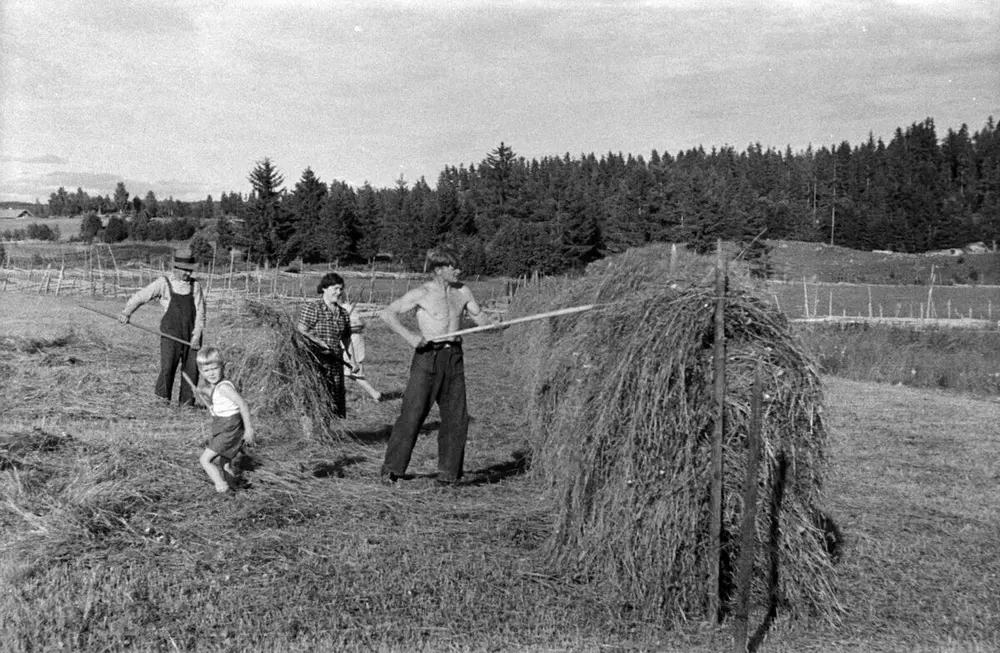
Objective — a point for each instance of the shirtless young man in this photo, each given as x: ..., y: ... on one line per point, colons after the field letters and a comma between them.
x: 436, y: 372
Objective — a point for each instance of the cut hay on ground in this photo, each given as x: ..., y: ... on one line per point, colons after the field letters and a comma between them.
x: 622, y: 416
x: 270, y: 362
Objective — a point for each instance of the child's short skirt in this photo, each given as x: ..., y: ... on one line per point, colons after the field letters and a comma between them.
x: 227, y: 435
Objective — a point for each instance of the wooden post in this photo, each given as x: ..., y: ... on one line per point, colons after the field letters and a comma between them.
x: 45, y: 281
x: 829, y: 309
x: 870, y: 302
x: 211, y: 269
x: 930, y: 290
x: 715, y: 503
x: 117, y: 279
x: 62, y: 269
x: 805, y: 293
x: 673, y: 259
x: 748, y: 537
x: 100, y: 271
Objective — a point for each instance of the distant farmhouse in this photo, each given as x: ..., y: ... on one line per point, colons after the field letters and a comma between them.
x: 16, y: 214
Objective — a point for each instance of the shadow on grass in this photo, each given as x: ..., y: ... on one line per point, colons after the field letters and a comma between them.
x: 323, y: 469
x: 519, y: 463
x: 379, y: 434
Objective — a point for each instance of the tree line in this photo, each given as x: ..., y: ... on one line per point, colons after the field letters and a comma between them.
x: 508, y: 215
x: 512, y: 216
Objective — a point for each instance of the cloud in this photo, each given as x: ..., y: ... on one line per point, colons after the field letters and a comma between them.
x: 128, y: 16
x: 28, y: 187
x: 45, y: 158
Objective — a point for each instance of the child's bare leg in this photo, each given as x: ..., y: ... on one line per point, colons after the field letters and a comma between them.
x: 213, y: 472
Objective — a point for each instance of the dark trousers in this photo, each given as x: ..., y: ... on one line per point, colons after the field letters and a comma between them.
x: 173, y: 354
x: 435, y: 375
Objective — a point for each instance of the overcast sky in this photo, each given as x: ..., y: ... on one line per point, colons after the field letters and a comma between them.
x: 183, y: 97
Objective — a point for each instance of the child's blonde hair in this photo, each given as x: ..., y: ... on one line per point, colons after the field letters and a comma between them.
x: 210, y: 355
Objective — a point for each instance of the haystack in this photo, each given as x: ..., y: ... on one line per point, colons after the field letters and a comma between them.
x: 277, y: 370
x: 622, y: 414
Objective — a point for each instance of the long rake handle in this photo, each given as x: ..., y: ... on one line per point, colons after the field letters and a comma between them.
x: 519, y: 320
x: 138, y: 326
x: 194, y: 389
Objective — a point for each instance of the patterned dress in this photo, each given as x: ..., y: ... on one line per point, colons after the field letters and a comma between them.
x: 331, y: 325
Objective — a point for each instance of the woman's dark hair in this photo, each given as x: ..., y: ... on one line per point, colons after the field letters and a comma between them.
x: 329, y: 279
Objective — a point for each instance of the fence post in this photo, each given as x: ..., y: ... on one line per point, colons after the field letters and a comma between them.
x: 805, y: 294
x: 748, y: 538
x: 45, y: 281
x: 62, y: 268
x: 715, y: 503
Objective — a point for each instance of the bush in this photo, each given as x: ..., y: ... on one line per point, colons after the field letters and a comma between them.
x: 37, y: 231
x: 202, y: 249
x: 116, y: 230
x: 90, y: 226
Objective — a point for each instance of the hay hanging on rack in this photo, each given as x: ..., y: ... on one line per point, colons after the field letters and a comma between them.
x: 621, y: 415
x: 278, y: 371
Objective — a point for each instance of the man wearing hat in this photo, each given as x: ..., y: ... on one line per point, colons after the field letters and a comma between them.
x: 183, y: 304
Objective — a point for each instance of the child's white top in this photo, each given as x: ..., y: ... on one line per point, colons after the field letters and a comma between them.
x: 223, y: 406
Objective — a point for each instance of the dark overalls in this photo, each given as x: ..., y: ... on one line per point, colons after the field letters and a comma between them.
x: 178, y: 322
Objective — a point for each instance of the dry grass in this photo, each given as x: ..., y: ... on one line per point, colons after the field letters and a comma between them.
x: 622, y: 414
x: 111, y: 540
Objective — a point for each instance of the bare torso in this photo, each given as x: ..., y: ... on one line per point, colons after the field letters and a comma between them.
x: 439, y: 309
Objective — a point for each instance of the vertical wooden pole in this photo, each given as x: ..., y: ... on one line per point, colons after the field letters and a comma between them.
x: 715, y: 503
x: 62, y: 269
x: 117, y: 280
x: 673, y: 260
x: 930, y: 291
x: 805, y: 294
x: 748, y: 537
x: 44, y: 285
x: 211, y: 270
x: 371, y: 286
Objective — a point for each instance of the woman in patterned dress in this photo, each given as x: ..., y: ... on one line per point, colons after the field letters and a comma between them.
x: 327, y: 326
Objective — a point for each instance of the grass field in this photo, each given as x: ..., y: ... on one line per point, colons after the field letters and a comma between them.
x: 111, y: 539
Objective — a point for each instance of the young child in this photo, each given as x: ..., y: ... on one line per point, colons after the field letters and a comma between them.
x: 231, y: 425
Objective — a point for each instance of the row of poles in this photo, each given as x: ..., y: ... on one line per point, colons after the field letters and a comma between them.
x: 96, y: 279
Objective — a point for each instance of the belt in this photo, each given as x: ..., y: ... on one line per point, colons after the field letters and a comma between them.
x: 437, y: 346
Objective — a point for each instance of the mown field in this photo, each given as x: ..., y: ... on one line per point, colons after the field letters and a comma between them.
x: 112, y: 540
